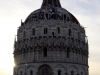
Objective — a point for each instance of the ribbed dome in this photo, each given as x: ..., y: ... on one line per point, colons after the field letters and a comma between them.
x: 51, y: 9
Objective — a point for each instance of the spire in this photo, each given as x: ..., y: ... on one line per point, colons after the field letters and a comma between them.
x: 55, y: 3
x: 15, y: 42
x: 21, y: 22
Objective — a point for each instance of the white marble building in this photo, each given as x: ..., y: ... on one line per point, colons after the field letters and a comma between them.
x: 51, y: 41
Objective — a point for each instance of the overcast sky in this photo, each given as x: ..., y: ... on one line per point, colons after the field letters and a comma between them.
x: 12, y: 11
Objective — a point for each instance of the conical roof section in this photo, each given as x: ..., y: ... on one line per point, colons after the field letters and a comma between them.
x: 55, y: 3
x: 51, y: 9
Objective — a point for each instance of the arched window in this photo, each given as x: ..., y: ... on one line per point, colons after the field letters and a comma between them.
x: 72, y: 73
x: 49, y: 2
x: 45, y: 52
x: 79, y: 35
x: 69, y: 32
x: 45, y: 71
x: 24, y: 34
x: 33, y: 31
x: 46, y: 15
x: 67, y: 52
x: 68, y: 18
x: 58, y: 29
x: 59, y: 72
x: 45, y: 30
x: 53, y: 34
x: 64, y: 16
x: 31, y: 72
x: 21, y: 72
x: 52, y: 43
x: 81, y: 73
x: 82, y: 57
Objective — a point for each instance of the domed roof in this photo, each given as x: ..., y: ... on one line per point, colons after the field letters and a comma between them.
x: 51, y: 10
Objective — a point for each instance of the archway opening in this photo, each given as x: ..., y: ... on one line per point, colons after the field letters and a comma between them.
x: 59, y: 72
x: 72, y: 73
x: 31, y: 72
x: 44, y: 70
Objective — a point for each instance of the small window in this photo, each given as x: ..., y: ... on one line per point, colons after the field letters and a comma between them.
x: 82, y: 57
x: 64, y: 16
x: 59, y: 72
x: 69, y: 32
x: 53, y: 43
x: 21, y: 73
x: 49, y: 2
x: 24, y: 34
x: 58, y: 29
x: 33, y: 31
x: 79, y: 35
x: 72, y: 73
x: 67, y: 52
x: 31, y: 72
x: 45, y: 30
x: 81, y: 73
x: 46, y: 16
x: 45, y: 52
x: 68, y: 18
x: 53, y: 34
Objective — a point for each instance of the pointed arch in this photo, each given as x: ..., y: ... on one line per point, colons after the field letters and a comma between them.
x: 30, y: 69
x: 60, y: 67
x: 73, y: 70
x: 20, y: 70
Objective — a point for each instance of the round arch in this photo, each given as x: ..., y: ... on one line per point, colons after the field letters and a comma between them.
x: 44, y: 70
x: 72, y: 70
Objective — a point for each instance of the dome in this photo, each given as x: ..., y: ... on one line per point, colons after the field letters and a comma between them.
x: 50, y: 11
x: 51, y: 42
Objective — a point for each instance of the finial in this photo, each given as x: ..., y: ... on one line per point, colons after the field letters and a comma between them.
x: 55, y: 3
x: 15, y: 42
x: 15, y: 38
x: 21, y: 22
